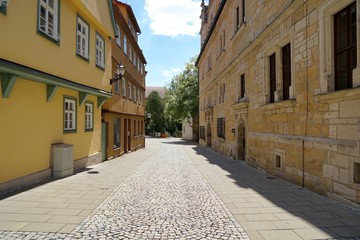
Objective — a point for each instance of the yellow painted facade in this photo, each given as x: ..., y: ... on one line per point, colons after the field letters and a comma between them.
x: 32, y: 116
x: 311, y: 137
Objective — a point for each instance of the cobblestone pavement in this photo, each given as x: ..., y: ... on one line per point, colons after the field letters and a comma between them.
x: 165, y: 198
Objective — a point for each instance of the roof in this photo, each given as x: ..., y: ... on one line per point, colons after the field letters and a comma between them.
x: 160, y: 90
x: 131, y: 15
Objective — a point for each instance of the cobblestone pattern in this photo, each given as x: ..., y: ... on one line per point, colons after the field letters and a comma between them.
x: 166, y: 198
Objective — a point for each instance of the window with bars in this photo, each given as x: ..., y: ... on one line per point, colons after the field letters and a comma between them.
x: 272, y: 77
x: 69, y: 115
x: 286, y: 71
x: 221, y: 127
x: 82, y: 38
x: 345, y: 41
x: 89, y: 116
x: 48, y: 18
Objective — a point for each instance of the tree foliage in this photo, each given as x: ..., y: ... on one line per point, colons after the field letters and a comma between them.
x: 155, y: 106
x: 181, y: 97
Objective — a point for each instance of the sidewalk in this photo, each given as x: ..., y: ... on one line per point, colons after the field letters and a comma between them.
x: 271, y: 208
x: 174, y: 190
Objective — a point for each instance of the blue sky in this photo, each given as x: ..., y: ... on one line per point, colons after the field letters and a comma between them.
x: 169, y: 36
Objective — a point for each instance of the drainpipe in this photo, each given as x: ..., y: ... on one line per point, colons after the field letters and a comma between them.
x: 307, y: 96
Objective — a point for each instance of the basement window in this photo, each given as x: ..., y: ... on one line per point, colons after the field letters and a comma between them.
x: 356, y: 172
x: 277, y: 161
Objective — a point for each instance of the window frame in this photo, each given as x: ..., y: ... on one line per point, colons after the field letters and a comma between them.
x: 286, y: 71
x: 221, y: 127
x: 116, y: 132
x: 272, y: 78
x: 124, y: 87
x: 118, y: 39
x: 90, y: 127
x: 83, y: 23
x: 73, y: 101
x: 3, y: 6
x: 347, y: 49
x: 100, y: 49
x: 55, y: 38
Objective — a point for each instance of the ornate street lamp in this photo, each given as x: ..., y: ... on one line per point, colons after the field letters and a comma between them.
x: 119, y: 73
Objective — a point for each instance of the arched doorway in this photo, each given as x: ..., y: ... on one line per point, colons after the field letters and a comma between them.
x: 208, y: 135
x: 241, y: 142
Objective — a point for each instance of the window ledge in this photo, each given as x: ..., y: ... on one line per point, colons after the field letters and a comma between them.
x: 340, y: 94
x: 280, y: 104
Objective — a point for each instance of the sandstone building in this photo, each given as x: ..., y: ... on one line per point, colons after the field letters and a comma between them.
x: 278, y: 84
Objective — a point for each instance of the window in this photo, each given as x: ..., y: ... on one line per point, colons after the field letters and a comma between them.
x: 48, y: 18
x: 135, y: 129
x: 221, y: 94
x: 243, y: 11
x: 100, y: 51
x: 130, y: 53
x: 117, y: 123
x: 134, y: 94
x: 237, y: 18
x: 125, y: 45
x: 116, y: 86
x: 129, y: 91
x: 286, y: 71
x: 69, y: 114
x: 345, y: 46
x: 82, y: 38
x: 3, y: 6
x: 241, y: 90
x: 221, y: 127
x: 135, y: 58
x: 89, y: 116
x: 124, y: 87
x: 272, y: 78
x: 118, y: 40
x: 139, y: 131
x: 139, y: 97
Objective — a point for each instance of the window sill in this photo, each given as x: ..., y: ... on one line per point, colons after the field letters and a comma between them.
x: 82, y: 57
x: 70, y: 131
x: 89, y: 130
x: 339, y: 94
x: 280, y: 104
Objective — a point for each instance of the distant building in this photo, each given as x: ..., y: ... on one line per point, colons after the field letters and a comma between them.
x: 160, y: 90
x: 55, y: 66
x: 123, y: 114
x: 279, y: 88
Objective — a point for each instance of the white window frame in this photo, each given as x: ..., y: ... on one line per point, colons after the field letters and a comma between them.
x: 125, y: 45
x: 69, y: 114
x: 100, y: 51
x: 89, y: 116
x: 124, y: 87
x: 82, y: 47
x: 118, y: 40
x: 129, y: 90
x: 48, y: 28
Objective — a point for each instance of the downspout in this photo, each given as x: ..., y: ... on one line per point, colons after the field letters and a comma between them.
x: 307, y: 95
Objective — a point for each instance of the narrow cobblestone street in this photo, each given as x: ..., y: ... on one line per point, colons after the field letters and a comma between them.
x: 174, y: 190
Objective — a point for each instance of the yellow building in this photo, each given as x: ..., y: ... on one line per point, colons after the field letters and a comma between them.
x: 123, y: 114
x: 55, y: 66
x: 279, y: 89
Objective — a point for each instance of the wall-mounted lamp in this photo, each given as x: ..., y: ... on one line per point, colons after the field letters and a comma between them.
x: 119, y: 73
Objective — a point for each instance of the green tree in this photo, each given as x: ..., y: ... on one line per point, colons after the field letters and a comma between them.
x: 155, y: 106
x: 181, y: 97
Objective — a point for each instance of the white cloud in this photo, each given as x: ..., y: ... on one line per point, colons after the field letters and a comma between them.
x: 171, y: 72
x: 173, y: 17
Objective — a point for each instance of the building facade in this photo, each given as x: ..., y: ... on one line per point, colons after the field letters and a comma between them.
x: 55, y: 70
x: 123, y: 114
x: 279, y: 89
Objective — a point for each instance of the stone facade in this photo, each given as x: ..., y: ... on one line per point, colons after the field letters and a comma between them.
x: 268, y: 95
